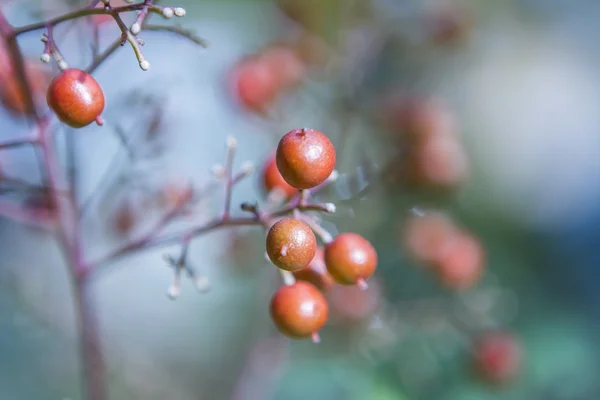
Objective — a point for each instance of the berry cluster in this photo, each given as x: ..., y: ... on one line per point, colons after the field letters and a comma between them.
x: 305, y: 158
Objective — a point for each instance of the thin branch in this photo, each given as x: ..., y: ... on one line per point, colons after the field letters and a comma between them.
x: 178, y: 31
x: 100, y: 58
x: 82, y: 12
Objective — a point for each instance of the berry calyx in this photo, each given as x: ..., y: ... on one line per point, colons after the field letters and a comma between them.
x: 316, y: 272
x: 299, y: 310
x: 350, y: 259
x: 291, y: 244
x: 272, y: 179
x: 497, y: 357
x: 305, y: 158
x: 76, y: 98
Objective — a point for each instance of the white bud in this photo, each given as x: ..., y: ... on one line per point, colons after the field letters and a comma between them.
x: 248, y: 168
x: 202, y: 284
x: 179, y: 11
x: 45, y: 58
x: 135, y: 28
x: 330, y: 207
x: 168, y: 12
x: 62, y: 65
x: 231, y: 142
x: 145, y: 65
x: 173, y: 292
x: 333, y: 176
x: 218, y: 171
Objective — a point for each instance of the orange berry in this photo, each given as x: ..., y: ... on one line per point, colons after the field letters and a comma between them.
x: 76, y: 98
x: 299, y: 310
x: 291, y: 244
x: 305, y: 158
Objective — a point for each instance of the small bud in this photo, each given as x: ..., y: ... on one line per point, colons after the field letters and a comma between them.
x: 173, y: 292
x: 145, y: 65
x: 231, y: 142
x: 62, y: 65
x: 44, y: 37
x: 330, y: 207
x: 45, y: 58
x: 168, y: 12
x: 202, y: 284
x: 248, y: 168
x: 218, y: 171
x: 179, y: 11
x: 333, y: 176
x: 135, y: 28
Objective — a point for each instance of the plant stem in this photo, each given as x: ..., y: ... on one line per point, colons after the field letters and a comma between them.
x: 92, y: 358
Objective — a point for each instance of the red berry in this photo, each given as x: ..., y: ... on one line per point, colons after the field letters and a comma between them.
x: 461, y: 264
x: 299, y: 310
x: 11, y: 95
x: 272, y: 179
x: 305, y: 158
x: 76, y: 98
x: 287, y: 68
x: 497, y: 357
x: 353, y: 304
x: 316, y: 272
x: 125, y: 218
x: 291, y: 244
x: 438, y: 160
x: 175, y: 194
x: 425, y: 237
x: 350, y: 259
x: 255, y: 85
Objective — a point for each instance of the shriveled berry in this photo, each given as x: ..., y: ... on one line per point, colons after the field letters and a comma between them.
x: 316, y: 272
x: 299, y: 310
x: 255, y: 85
x: 350, y: 259
x: 305, y: 158
x: 497, y: 357
x: 272, y: 179
x: 291, y: 244
x: 461, y: 264
x: 76, y: 98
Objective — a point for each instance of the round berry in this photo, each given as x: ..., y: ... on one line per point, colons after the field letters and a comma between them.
x: 305, y: 158
x: 11, y: 94
x: 272, y: 179
x: 125, y: 218
x: 462, y: 262
x: 285, y: 64
x: 316, y: 272
x: 350, y: 259
x: 427, y: 236
x: 255, y: 85
x: 497, y: 357
x: 76, y: 98
x: 353, y: 304
x: 291, y: 244
x: 299, y: 310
